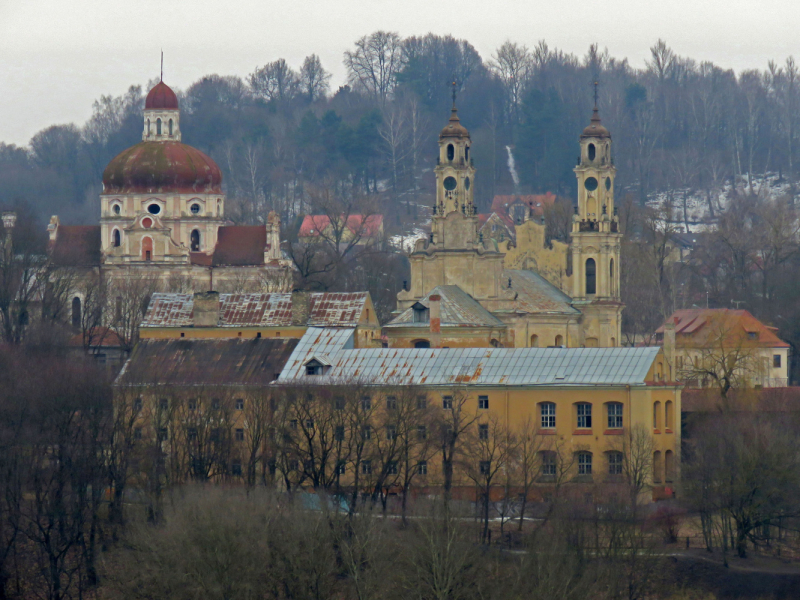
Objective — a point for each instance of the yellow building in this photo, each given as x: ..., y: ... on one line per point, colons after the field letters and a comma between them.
x: 585, y: 407
x: 536, y: 312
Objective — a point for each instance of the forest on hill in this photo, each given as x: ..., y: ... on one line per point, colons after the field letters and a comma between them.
x: 693, y: 144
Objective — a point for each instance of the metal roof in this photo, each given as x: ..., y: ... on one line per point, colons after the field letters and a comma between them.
x: 258, y: 310
x: 471, y: 366
x: 537, y: 295
x: 211, y: 362
x: 458, y: 309
x: 317, y: 342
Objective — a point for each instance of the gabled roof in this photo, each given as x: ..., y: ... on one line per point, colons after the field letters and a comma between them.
x: 211, y: 362
x: 471, y: 366
x: 258, y: 310
x: 240, y: 245
x: 76, y: 246
x: 369, y: 226
x: 316, y: 342
x: 537, y: 295
x: 331, y: 309
x: 536, y: 202
x: 458, y: 309
x: 702, y: 327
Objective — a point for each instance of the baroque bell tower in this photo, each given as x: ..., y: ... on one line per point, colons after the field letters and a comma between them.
x: 596, y: 239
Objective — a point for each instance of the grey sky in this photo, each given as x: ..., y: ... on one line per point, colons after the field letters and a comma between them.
x: 58, y: 56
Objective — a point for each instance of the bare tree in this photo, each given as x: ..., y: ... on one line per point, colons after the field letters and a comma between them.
x: 274, y: 81
x: 513, y: 64
x: 374, y: 64
x: 314, y: 79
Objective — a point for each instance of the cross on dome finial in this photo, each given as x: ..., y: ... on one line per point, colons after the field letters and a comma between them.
x: 596, y: 83
x: 454, y: 94
x: 162, y: 66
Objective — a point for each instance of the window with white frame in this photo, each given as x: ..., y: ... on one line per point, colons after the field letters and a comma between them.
x: 548, y: 463
x: 584, y: 463
x: 483, y: 431
x: 391, y: 468
x: 422, y: 467
x: 422, y: 432
x: 447, y: 402
x: 391, y: 403
x: 391, y: 432
x: 548, y: 410
x: 366, y: 403
x: 584, y: 415
x: 483, y: 402
x: 366, y: 467
x: 614, y: 415
x: 485, y: 467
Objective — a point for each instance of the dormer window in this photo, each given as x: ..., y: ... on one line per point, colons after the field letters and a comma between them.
x: 421, y: 313
x: 116, y: 209
x: 154, y: 209
x: 316, y: 367
x: 195, y: 208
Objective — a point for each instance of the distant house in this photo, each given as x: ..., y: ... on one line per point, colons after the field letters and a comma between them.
x: 701, y: 343
x: 358, y: 230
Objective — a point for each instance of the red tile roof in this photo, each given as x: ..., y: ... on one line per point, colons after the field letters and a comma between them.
x: 357, y: 224
x: 76, y: 246
x: 240, y: 245
x: 699, y: 327
x: 258, y: 310
x: 98, y: 337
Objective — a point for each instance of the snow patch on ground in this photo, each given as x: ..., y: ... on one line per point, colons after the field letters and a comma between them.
x: 405, y: 242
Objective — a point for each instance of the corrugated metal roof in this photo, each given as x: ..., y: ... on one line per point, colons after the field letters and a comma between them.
x: 537, y: 295
x: 317, y: 342
x: 257, y: 310
x: 458, y: 309
x: 470, y: 366
x: 212, y: 362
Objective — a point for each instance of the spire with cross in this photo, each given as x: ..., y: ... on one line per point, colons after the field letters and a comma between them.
x: 595, y: 84
x: 454, y: 93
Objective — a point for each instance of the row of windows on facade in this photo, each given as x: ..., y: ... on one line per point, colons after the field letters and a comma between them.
x: 147, y: 243
x: 696, y: 362
x: 192, y: 404
x: 154, y: 208
x: 158, y: 127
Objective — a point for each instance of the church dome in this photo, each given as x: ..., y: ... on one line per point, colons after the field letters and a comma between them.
x: 454, y: 128
x: 162, y: 167
x: 595, y: 128
x: 161, y: 97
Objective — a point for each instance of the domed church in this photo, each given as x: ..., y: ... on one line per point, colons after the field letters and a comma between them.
x: 461, y: 292
x: 162, y: 216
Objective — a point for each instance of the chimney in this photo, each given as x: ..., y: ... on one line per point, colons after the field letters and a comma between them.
x: 669, y: 345
x: 300, y: 308
x: 435, y: 314
x: 206, y: 309
x: 52, y: 228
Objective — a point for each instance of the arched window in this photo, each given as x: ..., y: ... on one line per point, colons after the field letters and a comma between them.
x: 422, y: 344
x: 495, y: 344
x: 195, y: 245
x: 591, y: 276
x: 534, y: 341
x: 117, y: 239
x: 158, y: 126
x: 584, y: 414
x: 611, y: 285
x: 668, y: 418
x: 148, y: 126
x: 669, y: 466
x: 170, y: 128
x: 451, y: 152
x: 147, y: 249
x: 657, y: 471
x: 76, y: 312
x: 466, y: 156
x: 559, y: 340
x: 613, y: 342
x: 657, y: 415
x: 592, y: 152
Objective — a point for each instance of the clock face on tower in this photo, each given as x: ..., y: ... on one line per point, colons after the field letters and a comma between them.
x: 590, y: 184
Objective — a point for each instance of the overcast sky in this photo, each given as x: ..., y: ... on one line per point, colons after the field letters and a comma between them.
x: 57, y: 56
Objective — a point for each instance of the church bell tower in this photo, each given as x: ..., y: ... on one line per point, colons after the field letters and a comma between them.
x: 596, y: 238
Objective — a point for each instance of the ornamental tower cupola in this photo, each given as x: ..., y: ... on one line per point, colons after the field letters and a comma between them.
x: 161, y: 115
x: 595, y: 225
x: 454, y: 170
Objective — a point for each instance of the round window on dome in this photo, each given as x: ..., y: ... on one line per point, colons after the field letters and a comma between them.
x: 154, y: 209
x: 590, y: 184
x: 195, y: 208
x: 116, y: 208
x: 449, y: 183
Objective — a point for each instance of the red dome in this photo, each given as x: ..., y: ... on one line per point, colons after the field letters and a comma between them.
x: 161, y: 96
x: 162, y: 167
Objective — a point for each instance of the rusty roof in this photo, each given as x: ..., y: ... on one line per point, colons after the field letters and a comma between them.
x: 458, y: 309
x: 76, y: 246
x: 537, y: 295
x: 212, y: 362
x: 258, y: 310
x: 467, y: 366
x: 703, y: 327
